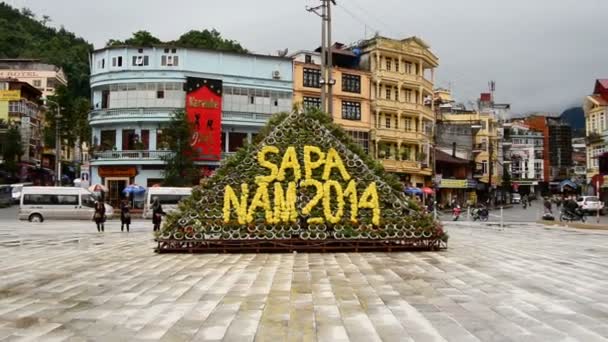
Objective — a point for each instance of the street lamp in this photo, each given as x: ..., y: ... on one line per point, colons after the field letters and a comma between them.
x: 57, y: 143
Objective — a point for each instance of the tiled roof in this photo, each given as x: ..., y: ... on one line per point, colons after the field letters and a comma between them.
x: 600, y: 99
x: 441, y: 156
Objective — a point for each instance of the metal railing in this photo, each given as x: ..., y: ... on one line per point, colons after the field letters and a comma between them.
x: 131, y: 154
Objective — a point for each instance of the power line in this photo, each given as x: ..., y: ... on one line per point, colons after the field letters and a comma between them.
x: 357, y: 18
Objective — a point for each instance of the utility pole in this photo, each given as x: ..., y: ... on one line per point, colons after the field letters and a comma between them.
x: 490, y: 162
x: 326, y: 54
x: 58, y: 147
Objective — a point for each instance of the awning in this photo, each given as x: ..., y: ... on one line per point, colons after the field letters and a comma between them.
x: 567, y: 182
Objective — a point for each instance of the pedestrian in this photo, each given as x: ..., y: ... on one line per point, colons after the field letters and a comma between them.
x: 125, y: 215
x: 548, y: 205
x: 100, y: 215
x: 157, y: 213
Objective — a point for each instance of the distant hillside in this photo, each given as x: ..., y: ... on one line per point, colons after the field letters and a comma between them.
x: 23, y: 36
x: 575, y: 116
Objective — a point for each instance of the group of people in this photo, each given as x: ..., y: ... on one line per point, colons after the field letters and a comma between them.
x: 569, y: 204
x: 99, y: 215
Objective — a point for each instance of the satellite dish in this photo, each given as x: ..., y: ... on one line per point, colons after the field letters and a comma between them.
x: 282, y: 53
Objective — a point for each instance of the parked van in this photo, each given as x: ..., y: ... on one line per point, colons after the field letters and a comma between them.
x: 39, y: 203
x: 168, y: 197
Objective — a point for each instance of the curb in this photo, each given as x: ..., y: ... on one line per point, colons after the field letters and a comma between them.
x: 574, y: 225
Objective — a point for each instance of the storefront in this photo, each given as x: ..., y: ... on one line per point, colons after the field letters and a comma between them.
x: 460, y: 191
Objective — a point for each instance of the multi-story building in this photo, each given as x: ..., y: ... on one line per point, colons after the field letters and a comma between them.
x: 579, y: 160
x: 46, y: 78
x: 135, y: 90
x: 557, y: 147
x: 23, y: 109
x: 525, y: 159
x: 596, y: 124
x: 351, y: 91
x: 43, y: 76
x: 402, y: 114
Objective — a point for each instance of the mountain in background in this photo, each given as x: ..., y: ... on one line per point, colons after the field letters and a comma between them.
x: 24, y: 36
x: 575, y: 116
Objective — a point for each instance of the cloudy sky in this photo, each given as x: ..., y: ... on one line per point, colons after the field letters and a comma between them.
x: 543, y: 54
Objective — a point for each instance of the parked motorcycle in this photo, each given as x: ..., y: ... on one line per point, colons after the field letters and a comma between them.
x: 480, y: 214
x: 569, y: 216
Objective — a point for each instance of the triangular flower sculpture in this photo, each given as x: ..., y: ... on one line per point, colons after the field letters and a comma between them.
x: 305, y: 186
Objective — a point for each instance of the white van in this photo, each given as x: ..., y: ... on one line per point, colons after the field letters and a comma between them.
x: 168, y: 197
x: 39, y: 203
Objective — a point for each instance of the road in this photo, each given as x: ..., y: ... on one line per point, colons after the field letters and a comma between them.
x: 61, y: 280
x: 517, y: 213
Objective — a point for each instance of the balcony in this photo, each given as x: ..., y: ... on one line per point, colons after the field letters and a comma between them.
x: 393, y: 134
x: 149, y: 114
x: 405, y: 106
x: 398, y: 76
x: 405, y: 166
x: 593, y: 138
x: 478, y: 148
x: 129, y: 157
x: 116, y: 115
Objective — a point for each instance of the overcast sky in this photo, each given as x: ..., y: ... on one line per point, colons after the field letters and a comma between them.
x: 543, y: 54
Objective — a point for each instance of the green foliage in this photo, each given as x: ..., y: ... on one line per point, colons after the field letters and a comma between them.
x: 139, y: 38
x: 73, y: 123
x: 205, y: 39
x: 12, y: 149
x: 179, y: 166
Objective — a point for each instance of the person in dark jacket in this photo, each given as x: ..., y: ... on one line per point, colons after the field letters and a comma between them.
x: 100, y: 215
x: 125, y: 215
x: 157, y: 214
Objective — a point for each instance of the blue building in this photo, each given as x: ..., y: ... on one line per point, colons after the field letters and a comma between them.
x: 136, y: 89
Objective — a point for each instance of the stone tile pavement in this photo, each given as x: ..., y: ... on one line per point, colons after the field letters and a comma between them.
x: 60, y: 281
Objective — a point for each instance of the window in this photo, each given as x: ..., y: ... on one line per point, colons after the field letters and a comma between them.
x: 408, y: 95
x: 103, y: 63
x: 408, y: 68
x: 311, y: 102
x: 408, y: 124
x: 387, y: 121
x: 117, y: 61
x: 141, y: 60
x: 170, y: 199
x: 397, y: 66
x: 37, y: 83
x: 361, y: 138
x: 312, y: 78
x: 484, y: 166
x: 88, y: 201
x: 50, y: 82
x: 593, y: 124
x: 308, y: 59
x: 351, y: 83
x: 388, y: 93
x: 351, y: 110
x: 36, y: 199
x: 160, y: 94
x: 67, y: 199
x: 108, y: 139
x: 169, y: 60
x: 388, y: 64
x: 602, y: 122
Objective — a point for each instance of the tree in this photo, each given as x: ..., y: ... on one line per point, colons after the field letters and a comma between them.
x: 139, y: 38
x: 13, y: 149
x: 179, y: 166
x: 73, y: 125
x: 206, y: 39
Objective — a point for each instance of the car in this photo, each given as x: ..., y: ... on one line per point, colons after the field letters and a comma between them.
x: 515, y: 198
x: 590, y: 204
x: 38, y: 204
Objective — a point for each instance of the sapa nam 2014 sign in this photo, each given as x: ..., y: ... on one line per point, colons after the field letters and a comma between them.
x: 284, y: 207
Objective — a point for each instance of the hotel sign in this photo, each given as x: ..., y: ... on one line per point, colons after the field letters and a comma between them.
x: 10, y: 95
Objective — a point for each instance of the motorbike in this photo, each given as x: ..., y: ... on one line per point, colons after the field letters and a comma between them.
x: 569, y: 216
x: 480, y: 214
x: 456, y: 213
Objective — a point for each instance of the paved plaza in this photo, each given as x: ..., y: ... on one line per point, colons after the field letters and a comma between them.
x: 63, y: 281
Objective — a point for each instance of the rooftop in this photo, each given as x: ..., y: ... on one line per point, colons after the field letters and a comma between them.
x: 165, y: 46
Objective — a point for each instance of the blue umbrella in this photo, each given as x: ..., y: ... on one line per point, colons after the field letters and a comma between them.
x: 134, y: 189
x: 413, y: 191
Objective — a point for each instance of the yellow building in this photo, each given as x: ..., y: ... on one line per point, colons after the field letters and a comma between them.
x: 596, y: 124
x: 402, y: 113
x: 351, y: 91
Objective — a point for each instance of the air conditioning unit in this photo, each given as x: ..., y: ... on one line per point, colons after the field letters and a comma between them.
x: 276, y: 74
x: 139, y: 60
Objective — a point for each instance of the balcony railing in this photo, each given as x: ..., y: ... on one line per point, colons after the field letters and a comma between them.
x: 131, y: 154
x: 594, y: 137
x: 161, y: 113
x: 402, y: 76
x: 479, y: 147
x: 415, y: 107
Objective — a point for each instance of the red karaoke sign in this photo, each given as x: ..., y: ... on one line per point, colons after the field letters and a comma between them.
x: 204, y: 110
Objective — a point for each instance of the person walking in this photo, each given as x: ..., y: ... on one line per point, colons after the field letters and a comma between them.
x: 125, y: 215
x: 100, y: 215
x: 157, y: 214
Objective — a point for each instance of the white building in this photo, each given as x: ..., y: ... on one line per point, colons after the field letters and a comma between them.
x: 526, y: 156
